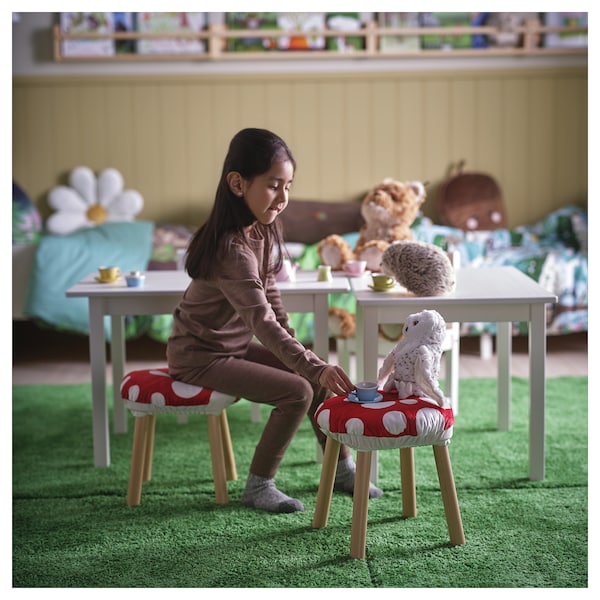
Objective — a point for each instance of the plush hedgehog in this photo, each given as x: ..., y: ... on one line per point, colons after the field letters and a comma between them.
x: 413, y: 366
x: 423, y: 269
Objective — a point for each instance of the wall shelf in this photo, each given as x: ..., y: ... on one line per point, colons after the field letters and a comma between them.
x: 216, y: 37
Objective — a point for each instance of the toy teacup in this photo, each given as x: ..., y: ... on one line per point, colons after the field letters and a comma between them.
x: 134, y: 279
x: 355, y: 268
x: 366, y: 391
x: 108, y: 274
x: 382, y: 282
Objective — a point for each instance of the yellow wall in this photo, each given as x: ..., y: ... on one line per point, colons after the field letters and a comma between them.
x: 168, y: 134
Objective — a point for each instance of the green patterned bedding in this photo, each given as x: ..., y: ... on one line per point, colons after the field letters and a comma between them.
x: 552, y: 251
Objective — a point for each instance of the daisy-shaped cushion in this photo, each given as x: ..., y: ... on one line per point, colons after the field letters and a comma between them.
x: 89, y: 201
x: 390, y: 423
x: 152, y: 391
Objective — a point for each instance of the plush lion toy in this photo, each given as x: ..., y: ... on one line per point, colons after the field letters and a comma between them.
x: 388, y: 210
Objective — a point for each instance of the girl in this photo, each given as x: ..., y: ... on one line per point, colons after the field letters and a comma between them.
x: 232, y: 297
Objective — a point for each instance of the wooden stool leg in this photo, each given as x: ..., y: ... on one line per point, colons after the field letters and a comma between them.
x: 230, y: 470
x: 138, y: 454
x: 407, y: 478
x: 330, y: 460
x: 149, y: 446
x: 217, y: 458
x: 360, y: 505
x: 449, y: 498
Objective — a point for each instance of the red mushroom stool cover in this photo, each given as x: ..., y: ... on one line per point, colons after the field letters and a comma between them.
x: 389, y: 423
x: 151, y: 391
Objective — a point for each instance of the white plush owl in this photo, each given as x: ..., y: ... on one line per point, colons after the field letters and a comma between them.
x: 413, y: 366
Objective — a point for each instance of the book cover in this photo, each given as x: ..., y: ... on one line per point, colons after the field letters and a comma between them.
x: 445, y: 42
x: 300, y: 23
x: 124, y: 22
x: 398, y: 43
x: 251, y: 21
x: 566, y: 39
x: 87, y: 22
x: 154, y: 22
x: 344, y: 22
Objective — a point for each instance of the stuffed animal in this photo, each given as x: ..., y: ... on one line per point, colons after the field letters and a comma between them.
x: 470, y: 201
x: 388, y: 210
x: 342, y: 324
x: 423, y: 269
x: 413, y: 365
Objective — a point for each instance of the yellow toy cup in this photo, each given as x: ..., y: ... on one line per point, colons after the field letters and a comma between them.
x: 108, y: 274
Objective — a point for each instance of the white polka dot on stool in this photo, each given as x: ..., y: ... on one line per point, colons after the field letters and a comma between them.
x: 355, y: 426
x: 158, y: 399
x: 134, y: 393
x: 323, y: 419
x: 394, y: 422
x: 184, y: 390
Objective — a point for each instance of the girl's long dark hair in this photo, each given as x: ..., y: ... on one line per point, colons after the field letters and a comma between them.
x: 251, y: 153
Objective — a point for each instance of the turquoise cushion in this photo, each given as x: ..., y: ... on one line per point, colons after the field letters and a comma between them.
x: 63, y: 260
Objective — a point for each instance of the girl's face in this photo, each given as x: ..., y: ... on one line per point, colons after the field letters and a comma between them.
x: 267, y: 195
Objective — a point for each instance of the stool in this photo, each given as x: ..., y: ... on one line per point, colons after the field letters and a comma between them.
x: 149, y: 392
x: 388, y: 423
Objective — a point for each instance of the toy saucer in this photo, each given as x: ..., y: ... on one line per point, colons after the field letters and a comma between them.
x: 353, y: 398
x: 385, y: 289
x: 347, y: 273
x: 100, y: 280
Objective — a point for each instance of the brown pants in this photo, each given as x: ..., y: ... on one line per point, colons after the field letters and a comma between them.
x: 261, y: 377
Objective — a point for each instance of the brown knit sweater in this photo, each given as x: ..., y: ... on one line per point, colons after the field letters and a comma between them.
x: 218, y: 318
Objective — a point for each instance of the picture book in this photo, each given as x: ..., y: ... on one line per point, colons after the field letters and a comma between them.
x: 154, y: 22
x: 87, y: 22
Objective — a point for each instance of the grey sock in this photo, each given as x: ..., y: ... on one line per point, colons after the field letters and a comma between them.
x: 344, y: 478
x: 261, y: 493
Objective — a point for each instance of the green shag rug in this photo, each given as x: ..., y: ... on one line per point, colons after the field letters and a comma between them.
x: 73, y: 529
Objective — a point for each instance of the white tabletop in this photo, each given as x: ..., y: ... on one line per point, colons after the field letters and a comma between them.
x: 494, y: 285
x: 158, y: 283
x: 155, y: 283
x: 306, y: 281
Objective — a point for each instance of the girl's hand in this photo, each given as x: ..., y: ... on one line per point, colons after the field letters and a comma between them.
x: 335, y: 379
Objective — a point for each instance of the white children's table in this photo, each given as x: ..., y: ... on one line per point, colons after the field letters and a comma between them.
x: 159, y: 295
x: 497, y: 294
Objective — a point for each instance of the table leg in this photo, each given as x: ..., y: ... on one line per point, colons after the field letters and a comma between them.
x: 366, y: 343
x: 367, y: 338
x: 321, y: 342
x: 537, y: 391
x: 98, y: 368
x: 453, y: 368
x: 504, y: 354
x: 117, y: 357
x: 321, y: 326
x: 360, y: 341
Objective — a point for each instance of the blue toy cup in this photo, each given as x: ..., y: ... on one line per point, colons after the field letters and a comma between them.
x: 134, y: 279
